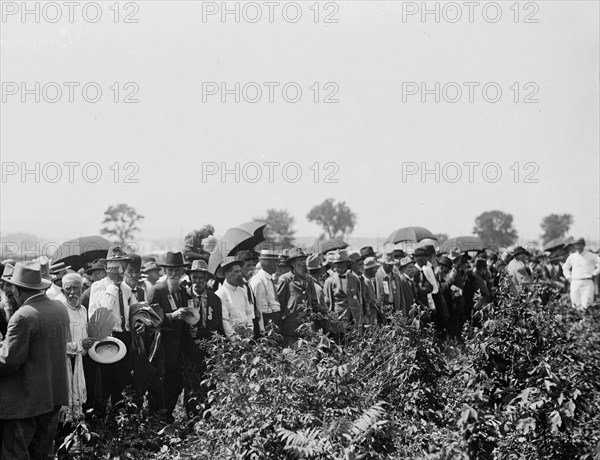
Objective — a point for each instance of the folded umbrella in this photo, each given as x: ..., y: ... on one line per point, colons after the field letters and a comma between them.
x: 414, y: 234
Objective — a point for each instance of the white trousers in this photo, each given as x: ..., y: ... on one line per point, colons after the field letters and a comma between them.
x: 582, y: 293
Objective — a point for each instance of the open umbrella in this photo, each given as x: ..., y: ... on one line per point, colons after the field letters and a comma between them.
x: 243, y: 237
x: 557, y: 243
x: 414, y: 234
x: 462, y: 244
x: 82, y: 251
x: 323, y: 247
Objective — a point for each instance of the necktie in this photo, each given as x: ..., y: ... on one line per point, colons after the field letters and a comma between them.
x: 204, y: 306
x: 121, y: 308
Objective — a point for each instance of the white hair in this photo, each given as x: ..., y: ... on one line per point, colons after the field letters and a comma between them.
x: 73, y: 277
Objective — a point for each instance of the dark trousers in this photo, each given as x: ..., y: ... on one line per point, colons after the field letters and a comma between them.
x: 275, y: 317
x: 195, y: 396
x: 114, y: 378
x: 32, y: 437
x: 164, y: 392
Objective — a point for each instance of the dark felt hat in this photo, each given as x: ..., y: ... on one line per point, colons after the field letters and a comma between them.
x: 174, y: 260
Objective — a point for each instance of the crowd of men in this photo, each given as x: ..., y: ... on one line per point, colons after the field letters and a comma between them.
x: 165, y: 312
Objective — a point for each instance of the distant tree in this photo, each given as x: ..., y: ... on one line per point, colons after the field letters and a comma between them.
x: 337, y: 220
x: 555, y: 226
x: 279, y: 233
x: 441, y: 238
x: 120, y: 221
x: 495, y: 228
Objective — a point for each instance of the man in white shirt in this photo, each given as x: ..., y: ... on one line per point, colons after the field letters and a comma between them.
x: 115, y: 295
x: 238, y: 311
x: 580, y: 268
x: 264, y: 289
x: 517, y: 267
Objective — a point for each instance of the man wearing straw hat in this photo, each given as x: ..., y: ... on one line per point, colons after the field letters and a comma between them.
x: 387, y: 283
x: 238, y: 310
x: 115, y: 295
x: 264, y: 289
x: 343, y: 293
x: 209, y: 308
x: 296, y: 294
x: 33, y: 367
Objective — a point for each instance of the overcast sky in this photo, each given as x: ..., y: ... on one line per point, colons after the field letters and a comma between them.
x: 372, y: 61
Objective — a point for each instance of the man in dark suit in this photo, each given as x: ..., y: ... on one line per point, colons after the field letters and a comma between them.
x: 387, y: 283
x: 408, y: 296
x: 33, y: 367
x: 171, y: 301
x: 210, y: 322
x: 343, y: 290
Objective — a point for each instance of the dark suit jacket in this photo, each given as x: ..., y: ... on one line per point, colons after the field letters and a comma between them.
x: 214, y: 325
x: 33, y: 360
x: 393, y: 281
x: 172, y: 329
x: 407, y: 294
x: 85, y: 298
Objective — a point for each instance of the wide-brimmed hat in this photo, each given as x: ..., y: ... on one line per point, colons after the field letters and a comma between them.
x: 108, y: 350
x: 45, y: 267
x: 339, y: 257
x: 116, y: 253
x: 519, y: 250
x: 7, y: 270
x: 420, y: 252
x: 370, y: 262
x: 247, y: 255
x: 198, y: 266
x: 367, y: 251
x: 429, y: 250
x: 95, y: 267
x: 135, y: 262
x: 354, y: 257
x: 28, y: 275
x: 228, y: 262
x: 269, y: 254
x: 295, y: 253
x: 388, y: 259
x: 406, y: 261
x: 174, y: 260
x: 150, y: 266
x: 446, y: 261
x: 313, y: 262
x: 481, y: 263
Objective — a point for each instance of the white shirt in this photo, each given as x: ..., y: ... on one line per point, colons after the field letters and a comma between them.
x: 264, y: 292
x: 104, y: 293
x: 78, y: 326
x: 237, y: 309
x: 428, y: 272
x: 581, y: 266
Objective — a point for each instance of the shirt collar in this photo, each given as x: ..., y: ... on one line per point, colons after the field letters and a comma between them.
x: 231, y: 287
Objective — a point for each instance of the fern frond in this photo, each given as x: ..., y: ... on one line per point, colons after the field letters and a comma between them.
x: 304, y: 443
x: 369, y: 418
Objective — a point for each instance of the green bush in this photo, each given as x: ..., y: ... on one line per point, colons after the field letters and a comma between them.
x: 522, y: 385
